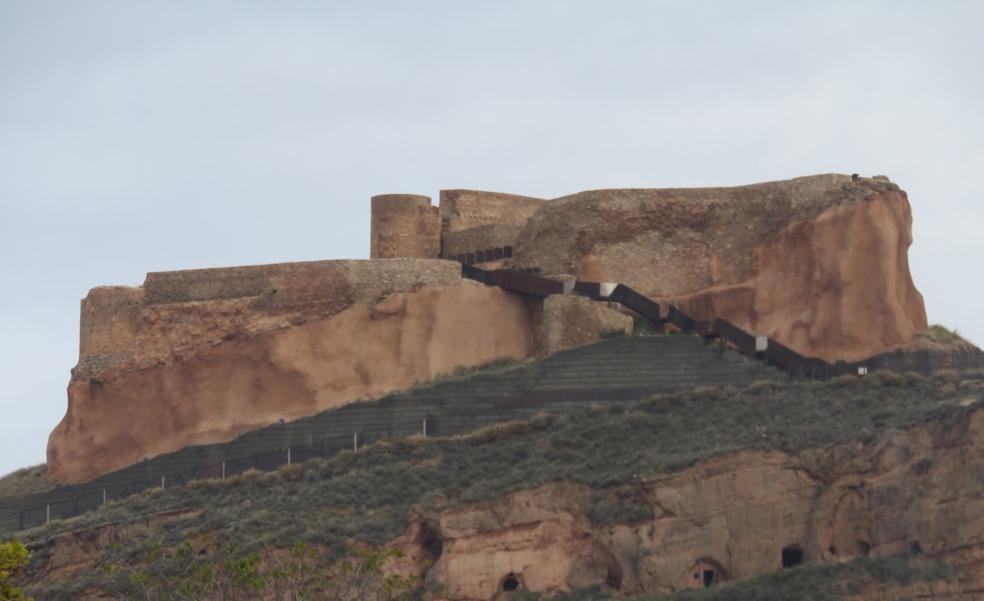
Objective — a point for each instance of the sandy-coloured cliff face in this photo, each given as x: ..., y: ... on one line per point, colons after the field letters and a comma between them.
x: 818, y: 263
x: 191, y: 359
x: 912, y: 492
x: 200, y: 356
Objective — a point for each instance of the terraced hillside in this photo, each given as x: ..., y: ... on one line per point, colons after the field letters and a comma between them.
x: 613, y: 370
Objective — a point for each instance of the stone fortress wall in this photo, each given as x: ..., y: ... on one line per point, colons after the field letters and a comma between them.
x: 404, y: 225
x: 819, y: 263
x: 198, y: 356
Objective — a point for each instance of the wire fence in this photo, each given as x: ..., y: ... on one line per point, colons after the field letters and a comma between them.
x: 74, y: 501
x: 444, y: 409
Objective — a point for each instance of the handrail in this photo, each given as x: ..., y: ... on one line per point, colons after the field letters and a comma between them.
x: 773, y: 352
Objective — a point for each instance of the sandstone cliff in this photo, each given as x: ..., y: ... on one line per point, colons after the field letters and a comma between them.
x: 200, y: 356
x: 818, y: 263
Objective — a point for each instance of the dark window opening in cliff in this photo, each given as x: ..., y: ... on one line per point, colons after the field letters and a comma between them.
x: 915, y: 548
x: 832, y: 550
x: 864, y: 548
x: 613, y: 576
x: 707, y: 572
x: 430, y: 540
x: 510, y: 583
x: 792, y: 556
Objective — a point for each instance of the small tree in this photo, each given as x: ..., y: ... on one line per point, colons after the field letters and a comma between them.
x: 13, y: 558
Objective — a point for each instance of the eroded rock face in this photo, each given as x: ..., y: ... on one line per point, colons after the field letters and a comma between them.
x: 818, y: 263
x: 734, y: 517
x: 199, y: 357
x: 564, y: 322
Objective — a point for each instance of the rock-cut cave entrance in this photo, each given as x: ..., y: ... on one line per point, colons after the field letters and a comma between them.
x: 792, y: 556
x: 510, y: 583
x: 707, y: 572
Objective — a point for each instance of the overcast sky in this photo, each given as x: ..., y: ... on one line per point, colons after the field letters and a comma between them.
x: 147, y: 136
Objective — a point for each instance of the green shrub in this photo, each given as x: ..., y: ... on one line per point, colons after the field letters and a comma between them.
x: 886, y: 378
x: 14, y: 557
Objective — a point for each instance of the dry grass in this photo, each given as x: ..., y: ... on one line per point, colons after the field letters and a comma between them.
x: 367, y: 496
x: 26, y: 481
x: 938, y: 336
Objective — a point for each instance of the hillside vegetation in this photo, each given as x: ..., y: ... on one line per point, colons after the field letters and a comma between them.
x: 25, y: 481
x: 367, y: 496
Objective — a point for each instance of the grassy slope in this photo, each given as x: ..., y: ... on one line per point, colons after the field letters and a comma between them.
x: 368, y: 495
x: 25, y: 481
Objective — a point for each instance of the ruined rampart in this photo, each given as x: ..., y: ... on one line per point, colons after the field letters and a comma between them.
x: 480, y: 239
x: 816, y: 264
x: 199, y: 356
x: 465, y: 209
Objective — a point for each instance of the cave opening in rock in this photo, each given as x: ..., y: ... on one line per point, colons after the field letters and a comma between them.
x: 792, y: 556
x: 613, y: 576
x: 430, y: 540
x: 510, y: 583
x: 707, y: 572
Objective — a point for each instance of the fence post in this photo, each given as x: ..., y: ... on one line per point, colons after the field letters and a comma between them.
x: 355, y: 441
x: 47, y: 514
x: 104, y: 496
x: 425, y: 427
x: 162, y: 481
x: 288, y: 455
x: 223, y: 470
x: 75, y: 506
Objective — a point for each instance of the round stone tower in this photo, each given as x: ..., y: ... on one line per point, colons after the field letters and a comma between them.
x: 404, y: 225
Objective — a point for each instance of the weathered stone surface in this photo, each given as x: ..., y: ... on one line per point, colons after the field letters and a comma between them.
x: 155, y: 377
x: 404, y: 225
x: 464, y: 209
x: 910, y: 490
x: 818, y: 263
x: 564, y: 322
x: 481, y: 237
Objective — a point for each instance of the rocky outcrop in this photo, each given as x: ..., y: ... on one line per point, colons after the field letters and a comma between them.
x: 201, y: 356
x: 731, y: 518
x: 562, y: 322
x: 818, y: 263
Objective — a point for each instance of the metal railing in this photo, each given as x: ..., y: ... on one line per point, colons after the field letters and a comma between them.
x: 767, y: 349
